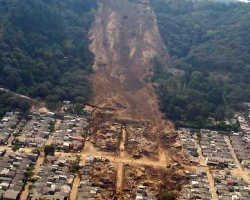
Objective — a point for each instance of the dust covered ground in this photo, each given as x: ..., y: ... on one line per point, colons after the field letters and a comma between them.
x: 124, y: 38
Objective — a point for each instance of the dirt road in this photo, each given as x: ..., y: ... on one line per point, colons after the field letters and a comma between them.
x: 122, y: 142
x: 201, y: 157
x: 124, y: 38
x: 98, y: 154
x: 74, y: 190
x: 202, y: 163
x: 239, y: 170
x: 25, y: 193
x: 211, y: 183
x: 119, y: 179
x: 51, y: 136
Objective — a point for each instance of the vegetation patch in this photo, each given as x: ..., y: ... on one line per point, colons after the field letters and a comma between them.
x: 44, y: 48
x: 209, y: 43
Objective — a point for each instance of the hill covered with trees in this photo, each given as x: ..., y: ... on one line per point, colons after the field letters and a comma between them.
x: 44, y: 48
x: 209, y: 42
x: 9, y: 102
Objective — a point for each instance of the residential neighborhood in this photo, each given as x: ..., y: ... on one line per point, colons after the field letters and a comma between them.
x: 222, y: 157
x: 35, y: 131
x: 8, y: 126
x: 198, y: 188
x: 15, y: 170
x: 229, y: 186
x: 90, y: 160
x: 54, y: 179
x: 70, y: 134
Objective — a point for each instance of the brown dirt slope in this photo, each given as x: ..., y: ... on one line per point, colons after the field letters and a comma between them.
x: 124, y: 38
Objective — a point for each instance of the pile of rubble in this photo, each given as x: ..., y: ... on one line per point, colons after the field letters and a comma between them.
x: 107, y: 137
x: 168, y: 138
x: 97, y: 180
x: 103, y: 176
x: 141, y: 141
x: 141, y: 182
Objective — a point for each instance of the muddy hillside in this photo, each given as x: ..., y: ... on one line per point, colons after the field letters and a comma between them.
x: 124, y: 38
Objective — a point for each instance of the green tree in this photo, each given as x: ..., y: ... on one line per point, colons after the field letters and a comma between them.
x: 49, y: 150
x: 214, y: 69
x: 36, y: 151
x: 78, y: 108
x: 42, y: 44
x: 24, y: 105
x: 166, y: 195
x: 199, y: 136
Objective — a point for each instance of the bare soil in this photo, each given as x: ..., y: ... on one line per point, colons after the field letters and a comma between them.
x: 124, y: 38
x: 154, y: 178
x: 74, y: 189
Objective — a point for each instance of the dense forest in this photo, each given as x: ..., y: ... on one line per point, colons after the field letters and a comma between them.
x: 44, y: 48
x: 209, y: 44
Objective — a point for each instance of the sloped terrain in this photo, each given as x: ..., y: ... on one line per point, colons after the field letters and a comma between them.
x: 124, y: 38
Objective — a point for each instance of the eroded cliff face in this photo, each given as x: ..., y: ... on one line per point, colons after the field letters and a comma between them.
x: 124, y: 38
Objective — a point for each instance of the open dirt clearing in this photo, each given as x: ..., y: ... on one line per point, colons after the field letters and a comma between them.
x: 124, y: 38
